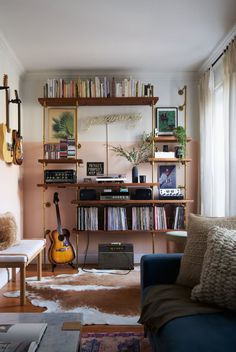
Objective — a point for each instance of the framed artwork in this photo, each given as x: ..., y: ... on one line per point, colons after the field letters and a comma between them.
x: 95, y: 168
x: 61, y: 123
x: 167, y: 176
x: 166, y: 120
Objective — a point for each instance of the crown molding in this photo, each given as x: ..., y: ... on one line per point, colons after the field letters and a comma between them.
x: 218, y: 50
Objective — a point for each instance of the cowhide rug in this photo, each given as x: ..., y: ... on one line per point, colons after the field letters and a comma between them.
x: 107, y: 297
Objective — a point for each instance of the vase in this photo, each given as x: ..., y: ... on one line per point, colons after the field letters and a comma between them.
x: 135, y: 174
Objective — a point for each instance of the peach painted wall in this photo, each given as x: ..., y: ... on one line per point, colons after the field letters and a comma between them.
x: 93, y: 149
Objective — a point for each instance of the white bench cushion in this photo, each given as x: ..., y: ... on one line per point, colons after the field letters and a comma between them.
x: 23, y: 251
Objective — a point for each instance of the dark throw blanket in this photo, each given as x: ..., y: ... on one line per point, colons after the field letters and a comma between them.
x: 166, y: 302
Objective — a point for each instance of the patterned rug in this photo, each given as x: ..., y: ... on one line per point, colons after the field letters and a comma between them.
x: 115, y: 342
x: 107, y: 297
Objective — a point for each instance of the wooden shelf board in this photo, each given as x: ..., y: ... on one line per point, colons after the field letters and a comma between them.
x: 135, y: 202
x: 98, y: 101
x: 165, y: 139
x: 97, y: 185
x: 61, y: 161
x: 169, y: 160
x: 123, y: 231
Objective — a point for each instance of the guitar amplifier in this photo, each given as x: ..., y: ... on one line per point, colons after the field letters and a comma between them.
x: 59, y: 176
x: 118, y: 256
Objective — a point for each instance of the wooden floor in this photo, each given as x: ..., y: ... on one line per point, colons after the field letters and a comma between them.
x: 12, y: 305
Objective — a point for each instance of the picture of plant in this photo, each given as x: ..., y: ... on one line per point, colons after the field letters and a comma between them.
x: 166, y: 120
x: 61, y: 124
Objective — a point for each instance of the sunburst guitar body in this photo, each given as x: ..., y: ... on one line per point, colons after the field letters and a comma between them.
x: 17, y: 140
x: 61, y: 250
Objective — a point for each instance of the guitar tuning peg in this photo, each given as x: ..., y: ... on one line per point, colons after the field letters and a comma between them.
x: 47, y: 204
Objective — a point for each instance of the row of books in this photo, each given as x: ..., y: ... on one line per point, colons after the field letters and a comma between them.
x: 62, y: 150
x: 117, y: 218
x: 96, y: 88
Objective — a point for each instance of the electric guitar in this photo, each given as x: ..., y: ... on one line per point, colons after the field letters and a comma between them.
x: 60, y: 251
x: 17, y: 140
x: 5, y: 131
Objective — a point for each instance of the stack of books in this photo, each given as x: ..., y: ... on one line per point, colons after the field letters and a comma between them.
x: 62, y: 150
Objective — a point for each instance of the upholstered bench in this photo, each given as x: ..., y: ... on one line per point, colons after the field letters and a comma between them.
x: 19, y: 256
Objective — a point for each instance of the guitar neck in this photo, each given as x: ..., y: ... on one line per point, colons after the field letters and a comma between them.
x: 19, y: 118
x: 59, y: 228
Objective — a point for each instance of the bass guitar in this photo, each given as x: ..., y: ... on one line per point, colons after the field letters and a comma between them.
x: 17, y: 140
x: 60, y: 251
x: 5, y: 131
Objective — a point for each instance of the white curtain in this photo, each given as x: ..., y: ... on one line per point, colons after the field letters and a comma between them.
x: 217, y: 100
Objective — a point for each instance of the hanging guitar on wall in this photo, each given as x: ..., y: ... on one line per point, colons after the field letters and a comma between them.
x: 17, y: 140
x: 61, y: 251
x: 5, y: 131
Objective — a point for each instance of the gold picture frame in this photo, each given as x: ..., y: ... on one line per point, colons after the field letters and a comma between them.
x: 61, y: 124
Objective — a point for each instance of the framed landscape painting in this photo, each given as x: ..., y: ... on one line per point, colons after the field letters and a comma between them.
x: 166, y: 120
x: 61, y: 123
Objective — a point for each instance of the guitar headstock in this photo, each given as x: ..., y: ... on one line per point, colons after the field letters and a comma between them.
x: 55, y: 198
x: 5, y: 81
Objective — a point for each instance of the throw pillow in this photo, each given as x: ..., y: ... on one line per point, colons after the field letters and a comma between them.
x: 191, y: 262
x: 8, y: 231
x: 218, y: 277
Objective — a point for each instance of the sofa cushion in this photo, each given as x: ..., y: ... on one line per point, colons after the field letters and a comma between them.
x: 218, y: 277
x: 8, y: 231
x: 191, y: 262
x: 203, y: 332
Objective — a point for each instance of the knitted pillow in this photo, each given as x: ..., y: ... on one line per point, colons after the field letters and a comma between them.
x: 191, y: 262
x: 8, y: 231
x: 218, y: 277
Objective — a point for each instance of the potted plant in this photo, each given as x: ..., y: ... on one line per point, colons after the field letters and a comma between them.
x: 180, y: 134
x: 136, y: 155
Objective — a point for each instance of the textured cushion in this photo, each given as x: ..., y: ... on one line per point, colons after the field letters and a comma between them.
x: 8, y: 231
x: 191, y: 262
x: 218, y: 277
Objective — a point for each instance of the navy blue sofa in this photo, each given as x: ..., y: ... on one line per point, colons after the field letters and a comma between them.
x: 196, y: 333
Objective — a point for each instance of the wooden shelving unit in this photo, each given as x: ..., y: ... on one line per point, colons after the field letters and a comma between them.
x: 60, y: 161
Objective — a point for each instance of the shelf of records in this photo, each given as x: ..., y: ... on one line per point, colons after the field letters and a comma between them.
x: 97, y: 88
x: 140, y: 218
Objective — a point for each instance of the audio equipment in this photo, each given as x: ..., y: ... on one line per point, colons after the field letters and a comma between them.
x: 88, y: 194
x: 143, y: 194
x: 170, y: 193
x: 59, y: 176
x: 118, y: 256
x: 115, y: 195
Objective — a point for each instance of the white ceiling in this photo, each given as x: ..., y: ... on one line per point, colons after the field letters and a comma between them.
x: 141, y: 35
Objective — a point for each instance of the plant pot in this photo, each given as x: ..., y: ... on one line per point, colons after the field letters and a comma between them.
x: 134, y: 174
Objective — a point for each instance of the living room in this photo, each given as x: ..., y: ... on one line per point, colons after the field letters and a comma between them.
x: 71, y: 41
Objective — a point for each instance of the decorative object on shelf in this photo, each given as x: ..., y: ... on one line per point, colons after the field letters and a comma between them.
x: 139, y: 153
x: 166, y: 120
x: 111, y: 118
x: 61, y: 123
x: 95, y: 168
x: 135, y: 174
x: 180, y: 134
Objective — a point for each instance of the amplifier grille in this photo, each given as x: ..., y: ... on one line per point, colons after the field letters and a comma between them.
x: 116, y: 256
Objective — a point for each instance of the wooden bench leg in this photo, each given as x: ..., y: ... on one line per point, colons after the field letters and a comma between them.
x: 13, y: 273
x: 39, y: 266
x: 22, y: 284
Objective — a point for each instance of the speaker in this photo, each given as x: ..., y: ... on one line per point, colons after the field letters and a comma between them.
x: 117, y: 256
x: 88, y: 194
x: 143, y: 194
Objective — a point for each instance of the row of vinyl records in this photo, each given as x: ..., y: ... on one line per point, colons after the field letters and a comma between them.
x: 134, y: 218
x: 96, y: 88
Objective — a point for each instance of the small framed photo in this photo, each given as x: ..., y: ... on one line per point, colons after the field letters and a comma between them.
x: 167, y: 176
x: 61, y: 123
x: 166, y: 120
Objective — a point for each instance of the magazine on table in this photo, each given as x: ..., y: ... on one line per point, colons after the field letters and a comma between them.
x: 21, y: 337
